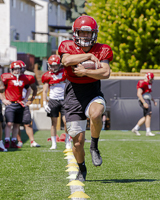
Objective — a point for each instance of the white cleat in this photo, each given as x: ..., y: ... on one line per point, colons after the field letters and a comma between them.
x: 2, y: 148
x: 149, y: 134
x: 19, y: 144
x: 54, y: 146
x: 68, y: 145
x: 34, y: 144
x: 136, y: 132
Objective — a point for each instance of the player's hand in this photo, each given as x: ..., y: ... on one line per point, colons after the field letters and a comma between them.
x: 155, y: 103
x: 80, y: 70
x: 47, y: 109
x: 95, y: 59
x: 29, y: 103
x: 145, y: 105
x: 6, y: 102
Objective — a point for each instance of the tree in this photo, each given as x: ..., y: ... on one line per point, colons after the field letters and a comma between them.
x: 75, y: 9
x: 132, y: 29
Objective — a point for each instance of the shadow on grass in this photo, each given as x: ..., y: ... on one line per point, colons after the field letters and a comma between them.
x: 123, y: 180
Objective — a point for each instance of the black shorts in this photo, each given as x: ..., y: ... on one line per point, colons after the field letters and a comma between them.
x: 77, y: 97
x: 56, y: 107
x: 14, y: 113
x: 26, y: 116
x: 1, y: 116
x: 147, y: 111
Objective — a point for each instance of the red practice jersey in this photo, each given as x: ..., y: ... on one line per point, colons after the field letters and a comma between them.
x: 31, y: 79
x: 145, y: 86
x: 101, y: 51
x: 14, y: 87
x: 53, y: 78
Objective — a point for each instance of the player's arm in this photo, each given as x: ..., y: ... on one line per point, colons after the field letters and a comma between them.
x: 45, y: 91
x: 2, y: 87
x: 34, y: 93
x: 74, y: 59
x: 139, y: 95
x: 101, y: 73
x: 2, y: 94
x: 155, y: 103
x: 27, y: 94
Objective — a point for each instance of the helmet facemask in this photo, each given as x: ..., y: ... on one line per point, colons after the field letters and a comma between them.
x: 85, y: 41
x: 16, y: 74
x: 54, y: 67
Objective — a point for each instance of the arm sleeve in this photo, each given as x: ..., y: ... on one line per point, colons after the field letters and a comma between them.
x: 45, y: 78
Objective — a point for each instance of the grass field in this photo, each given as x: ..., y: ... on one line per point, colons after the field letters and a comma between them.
x: 130, y: 169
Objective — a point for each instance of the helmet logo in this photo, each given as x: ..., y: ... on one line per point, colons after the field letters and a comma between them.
x: 86, y: 28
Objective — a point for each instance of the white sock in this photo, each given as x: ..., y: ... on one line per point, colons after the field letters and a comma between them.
x: 7, y: 138
x: 148, y: 130
x: 53, y: 138
x: 1, y: 141
x: 137, y: 127
x: 67, y: 137
x: 14, y: 139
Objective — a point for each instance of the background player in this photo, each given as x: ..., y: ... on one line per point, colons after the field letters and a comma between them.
x: 2, y: 148
x: 26, y: 114
x: 14, y: 83
x: 83, y: 96
x: 54, y: 80
x: 144, y: 89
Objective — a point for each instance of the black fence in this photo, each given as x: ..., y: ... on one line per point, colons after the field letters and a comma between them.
x: 123, y: 109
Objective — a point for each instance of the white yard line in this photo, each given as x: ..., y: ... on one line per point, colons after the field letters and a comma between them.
x: 75, y: 188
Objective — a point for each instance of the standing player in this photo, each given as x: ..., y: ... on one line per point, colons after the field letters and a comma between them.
x: 54, y: 80
x: 14, y: 83
x: 144, y: 89
x: 83, y: 96
x: 2, y: 148
x: 26, y: 114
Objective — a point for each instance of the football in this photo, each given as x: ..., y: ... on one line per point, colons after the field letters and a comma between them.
x: 89, y: 64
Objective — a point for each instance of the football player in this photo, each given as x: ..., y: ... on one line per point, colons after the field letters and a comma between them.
x: 54, y: 79
x: 26, y: 114
x: 2, y: 148
x: 144, y: 89
x: 14, y: 83
x: 83, y: 96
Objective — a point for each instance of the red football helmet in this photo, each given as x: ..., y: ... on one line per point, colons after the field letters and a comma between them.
x: 149, y: 76
x: 54, y: 63
x: 85, y: 23
x: 23, y: 65
x: 15, y: 65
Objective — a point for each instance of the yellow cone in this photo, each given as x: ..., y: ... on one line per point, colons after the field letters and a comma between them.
x: 73, y: 160
x: 68, y: 154
x: 75, y: 182
x: 69, y: 157
x: 72, y: 165
x: 72, y: 169
x: 79, y: 194
x: 72, y: 176
x: 67, y: 150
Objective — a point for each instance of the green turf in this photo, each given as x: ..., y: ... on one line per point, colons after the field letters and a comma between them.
x: 130, y: 169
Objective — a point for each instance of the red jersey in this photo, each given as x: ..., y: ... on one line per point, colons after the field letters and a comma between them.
x: 14, y: 87
x: 101, y: 51
x: 145, y: 86
x: 53, y: 78
x: 31, y: 79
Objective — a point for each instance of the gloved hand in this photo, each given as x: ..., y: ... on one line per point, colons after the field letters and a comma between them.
x: 46, y: 107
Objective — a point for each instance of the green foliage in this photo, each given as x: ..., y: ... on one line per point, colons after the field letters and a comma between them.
x: 132, y: 29
x: 75, y: 9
